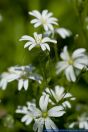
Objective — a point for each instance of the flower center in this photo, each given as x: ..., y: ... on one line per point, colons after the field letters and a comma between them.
x: 43, y: 20
x: 70, y: 61
x: 23, y: 75
x: 38, y: 39
x: 44, y: 114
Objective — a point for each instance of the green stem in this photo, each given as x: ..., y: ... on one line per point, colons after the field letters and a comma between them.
x: 81, y: 15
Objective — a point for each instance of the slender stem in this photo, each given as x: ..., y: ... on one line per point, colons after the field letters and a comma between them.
x: 55, y: 47
x: 81, y: 16
x: 56, y: 52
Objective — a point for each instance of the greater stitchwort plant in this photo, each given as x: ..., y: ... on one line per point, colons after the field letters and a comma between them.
x: 52, y: 100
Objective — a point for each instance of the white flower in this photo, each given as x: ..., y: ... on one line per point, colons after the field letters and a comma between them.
x: 72, y: 65
x: 82, y: 122
x: 59, y: 94
x: 43, y: 115
x: 63, y: 32
x: 20, y: 73
x: 38, y: 40
x: 45, y: 19
x: 26, y: 110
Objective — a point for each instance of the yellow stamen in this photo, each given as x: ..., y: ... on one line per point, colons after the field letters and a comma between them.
x: 44, y: 114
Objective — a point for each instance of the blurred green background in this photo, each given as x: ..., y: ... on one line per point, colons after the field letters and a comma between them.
x: 15, y: 22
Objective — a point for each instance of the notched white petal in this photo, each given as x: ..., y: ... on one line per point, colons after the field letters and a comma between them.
x: 20, y: 84
x: 43, y: 102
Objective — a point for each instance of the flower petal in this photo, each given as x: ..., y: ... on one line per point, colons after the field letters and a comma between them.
x: 56, y: 111
x: 69, y: 72
x: 26, y: 84
x: 27, y: 119
x: 49, y: 124
x: 47, y: 46
x: 59, y: 90
x: 35, y: 13
x: 51, y: 27
x: 20, y: 84
x: 43, y: 47
x: 43, y: 102
x: 62, y: 65
x: 78, y: 53
x: 26, y: 37
x: 34, y: 21
x: 65, y: 55
x: 66, y: 104
x: 38, y: 125
x: 37, y: 24
x: 79, y: 66
x: 46, y: 39
x: 63, y: 32
x: 27, y: 44
x: 31, y: 46
x: 3, y: 84
x: 44, y: 13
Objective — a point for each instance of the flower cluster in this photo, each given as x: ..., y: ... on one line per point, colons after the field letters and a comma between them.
x: 42, y: 116
x: 47, y: 21
x: 55, y: 101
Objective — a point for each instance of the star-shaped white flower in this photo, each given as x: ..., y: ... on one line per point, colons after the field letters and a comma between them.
x: 45, y: 19
x: 37, y: 41
x: 43, y: 115
x: 72, y: 65
x: 59, y: 94
x: 20, y: 73
x: 82, y: 122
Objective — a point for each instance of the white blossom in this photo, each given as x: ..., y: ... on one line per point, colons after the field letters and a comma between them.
x: 26, y: 111
x: 41, y: 116
x: 72, y: 65
x: 45, y: 19
x: 63, y: 32
x: 37, y: 41
x: 82, y: 122
x: 20, y: 73
x: 59, y: 94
